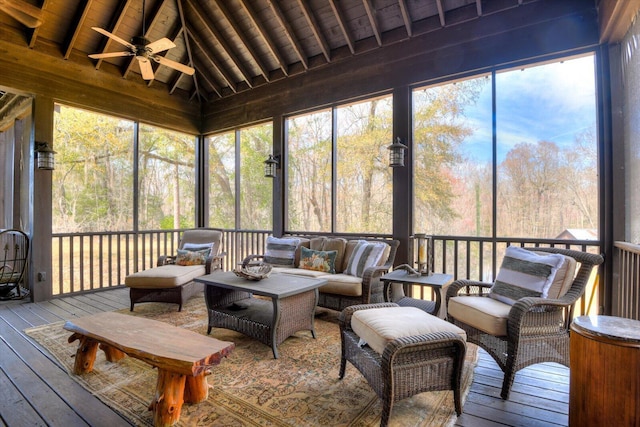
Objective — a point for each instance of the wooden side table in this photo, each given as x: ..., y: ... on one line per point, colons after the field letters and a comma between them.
x: 436, y: 281
x: 604, y: 388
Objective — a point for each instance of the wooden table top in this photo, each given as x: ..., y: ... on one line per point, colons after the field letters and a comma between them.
x: 277, y: 285
x: 157, y: 343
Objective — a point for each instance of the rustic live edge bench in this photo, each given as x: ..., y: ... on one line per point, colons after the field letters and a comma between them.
x: 183, y: 357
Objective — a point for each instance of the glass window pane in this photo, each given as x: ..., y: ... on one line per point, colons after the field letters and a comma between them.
x: 364, y: 178
x: 309, y: 172
x: 166, y: 179
x: 93, y: 176
x: 452, y: 140
x: 256, y: 191
x: 222, y: 175
x: 547, y: 151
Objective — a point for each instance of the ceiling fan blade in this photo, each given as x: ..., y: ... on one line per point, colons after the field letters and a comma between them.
x: 160, y: 45
x: 24, y: 18
x: 110, y: 55
x: 145, y: 68
x: 114, y: 37
x: 175, y: 65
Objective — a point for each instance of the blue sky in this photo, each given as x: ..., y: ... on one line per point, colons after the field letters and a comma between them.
x: 552, y: 102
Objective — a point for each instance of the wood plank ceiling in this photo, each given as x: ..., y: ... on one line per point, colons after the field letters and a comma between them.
x: 236, y: 45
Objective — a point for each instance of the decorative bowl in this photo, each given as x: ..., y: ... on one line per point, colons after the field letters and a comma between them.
x: 253, y: 270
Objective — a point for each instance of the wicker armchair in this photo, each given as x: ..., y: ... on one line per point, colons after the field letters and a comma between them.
x: 408, y: 365
x: 537, y: 329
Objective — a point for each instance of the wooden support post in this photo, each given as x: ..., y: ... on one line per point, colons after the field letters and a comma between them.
x: 85, y: 354
x: 169, y: 398
x: 196, y: 389
x: 112, y: 354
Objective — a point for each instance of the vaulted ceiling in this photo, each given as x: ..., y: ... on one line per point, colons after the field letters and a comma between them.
x: 236, y: 45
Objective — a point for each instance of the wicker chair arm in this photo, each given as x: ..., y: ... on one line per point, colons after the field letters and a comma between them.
x: 369, y: 276
x: 454, y: 288
x: 344, y: 318
x: 214, y: 262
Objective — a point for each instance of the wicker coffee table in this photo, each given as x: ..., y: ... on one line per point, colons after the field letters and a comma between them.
x: 288, y: 305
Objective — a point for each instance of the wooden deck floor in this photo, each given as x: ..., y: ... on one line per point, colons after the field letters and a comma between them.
x: 36, y: 391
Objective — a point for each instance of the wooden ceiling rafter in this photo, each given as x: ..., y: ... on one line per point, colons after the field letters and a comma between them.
x: 440, y: 12
x: 72, y: 36
x: 148, y: 28
x: 255, y: 57
x: 406, y: 17
x: 315, y: 29
x: 371, y: 14
x: 342, y: 23
x: 187, y: 46
x: 210, y: 83
x: 264, y: 35
x: 288, y: 31
x: 479, y: 7
x: 31, y: 42
x: 118, y: 17
x: 213, y: 62
x: 227, y: 49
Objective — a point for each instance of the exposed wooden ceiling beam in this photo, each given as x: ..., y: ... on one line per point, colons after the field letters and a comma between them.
x: 479, y: 7
x: 315, y: 28
x: 187, y: 46
x: 265, y: 36
x: 406, y: 17
x: 75, y: 29
x: 211, y: 83
x: 342, y: 23
x: 211, y: 28
x: 34, y: 32
x: 440, y: 12
x: 615, y: 18
x: 255, y: 56
x: 371, y: 13
x: 288, y: 31
x: 212, y: 61
x: 119, y: 15
x: 155, y: 17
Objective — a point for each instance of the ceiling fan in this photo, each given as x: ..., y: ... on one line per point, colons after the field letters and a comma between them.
x: 23, y: 12
x: 144, y: 51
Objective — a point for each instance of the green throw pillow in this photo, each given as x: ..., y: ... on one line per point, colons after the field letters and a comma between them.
x: 318, y: 260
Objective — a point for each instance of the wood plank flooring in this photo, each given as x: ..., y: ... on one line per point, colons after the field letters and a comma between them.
x: 36, y: 391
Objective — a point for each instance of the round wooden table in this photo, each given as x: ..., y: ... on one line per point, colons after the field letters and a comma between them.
x: 604, y: 385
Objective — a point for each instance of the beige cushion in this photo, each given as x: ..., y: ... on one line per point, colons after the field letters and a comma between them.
x: 337, y: 244
x: 341, y: 284
x: 487, y: 314
x: 166, y: 276
x: 379, y: 326
x: 564, y: 278
x: 298, y: 272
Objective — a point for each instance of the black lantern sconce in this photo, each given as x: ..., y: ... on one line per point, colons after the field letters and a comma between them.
x: 271, y: 166
x: 44, y: 156
x: 396, y: 153
x: 424, y: 253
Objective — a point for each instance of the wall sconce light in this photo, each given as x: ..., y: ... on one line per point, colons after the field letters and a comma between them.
x: 44, y: 156
x: 271, y: 166
x: 425, y: 254
x: 396, y: 153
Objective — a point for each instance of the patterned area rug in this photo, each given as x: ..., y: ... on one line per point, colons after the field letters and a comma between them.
x: 250, y: 387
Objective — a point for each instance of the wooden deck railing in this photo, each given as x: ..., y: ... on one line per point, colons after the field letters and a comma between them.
x: 625, y: 294
x: 89, y: 261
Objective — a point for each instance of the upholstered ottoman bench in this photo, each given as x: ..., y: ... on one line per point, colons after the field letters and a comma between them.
x: 402, y: 351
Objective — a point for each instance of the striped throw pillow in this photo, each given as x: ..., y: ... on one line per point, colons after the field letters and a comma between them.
x: 364, y: 255
x: 524, y: 274
x: 281, y: 251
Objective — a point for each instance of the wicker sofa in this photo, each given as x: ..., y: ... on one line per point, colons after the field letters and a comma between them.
x: 343, y: 290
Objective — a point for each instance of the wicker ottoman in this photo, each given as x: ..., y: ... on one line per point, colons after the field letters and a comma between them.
x: 407, y: 352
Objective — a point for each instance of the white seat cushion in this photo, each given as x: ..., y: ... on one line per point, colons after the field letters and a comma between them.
x: 486, y: 314
x: 165, y: 276
x: 379, y: 326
